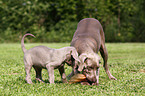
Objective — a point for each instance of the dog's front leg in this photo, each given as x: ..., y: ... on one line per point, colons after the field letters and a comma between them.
x: 62, y: 73
x: 50, y: 70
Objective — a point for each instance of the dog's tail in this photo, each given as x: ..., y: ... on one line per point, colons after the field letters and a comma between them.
x: 22, y: 42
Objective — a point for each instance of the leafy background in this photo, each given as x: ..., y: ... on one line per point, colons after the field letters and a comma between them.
x: 56, y: 20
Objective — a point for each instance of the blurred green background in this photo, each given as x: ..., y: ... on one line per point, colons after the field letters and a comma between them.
x: 56, y: 20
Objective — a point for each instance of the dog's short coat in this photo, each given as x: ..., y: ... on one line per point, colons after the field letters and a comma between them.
x: 43, y: 57
x: 88, y: 40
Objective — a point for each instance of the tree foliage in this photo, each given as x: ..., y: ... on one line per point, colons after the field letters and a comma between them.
x: 56, y: 20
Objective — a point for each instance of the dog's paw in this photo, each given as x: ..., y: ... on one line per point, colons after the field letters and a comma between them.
x: 112, y: 78
x: 37, y: 79
x: 29, y: 82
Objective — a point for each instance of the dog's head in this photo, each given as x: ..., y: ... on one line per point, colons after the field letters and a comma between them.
x: 89, y: 64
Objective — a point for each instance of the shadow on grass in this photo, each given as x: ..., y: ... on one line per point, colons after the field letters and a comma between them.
x: 22, y: 80
x: 47, y: 81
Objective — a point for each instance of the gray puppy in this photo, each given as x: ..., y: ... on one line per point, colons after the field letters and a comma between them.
x: 43, y: 57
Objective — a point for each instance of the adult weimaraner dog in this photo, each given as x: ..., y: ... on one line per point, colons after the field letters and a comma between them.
x: 43, y: 57
x: 89, y: 40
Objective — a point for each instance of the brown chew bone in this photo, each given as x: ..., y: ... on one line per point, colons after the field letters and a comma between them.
x: 77, y: 78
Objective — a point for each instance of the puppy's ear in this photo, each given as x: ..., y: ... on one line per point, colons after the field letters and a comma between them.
x: 74, y: 54
x: 82, y: 58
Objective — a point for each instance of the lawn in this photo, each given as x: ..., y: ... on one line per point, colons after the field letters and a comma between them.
x: 126, y: 62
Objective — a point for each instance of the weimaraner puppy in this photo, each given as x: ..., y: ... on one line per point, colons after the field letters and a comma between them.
x: 88, y: 40
x: 43, y: 57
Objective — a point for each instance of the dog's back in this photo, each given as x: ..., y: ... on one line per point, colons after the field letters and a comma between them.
x: 38, y: 55
x: 87, y: 36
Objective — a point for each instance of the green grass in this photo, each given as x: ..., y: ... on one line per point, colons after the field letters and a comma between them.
x: 126, y: 61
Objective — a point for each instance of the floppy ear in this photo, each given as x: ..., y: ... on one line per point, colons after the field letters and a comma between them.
x: 82, y: 58
x: 97, y: 59
x: 74, y: 54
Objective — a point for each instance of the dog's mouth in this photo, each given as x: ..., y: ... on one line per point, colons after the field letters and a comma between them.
x: 87, y: 82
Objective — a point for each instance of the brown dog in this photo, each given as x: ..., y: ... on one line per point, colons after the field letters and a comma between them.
x: 89, y: 40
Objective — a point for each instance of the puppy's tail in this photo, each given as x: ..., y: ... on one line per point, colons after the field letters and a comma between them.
x: 22, y: 42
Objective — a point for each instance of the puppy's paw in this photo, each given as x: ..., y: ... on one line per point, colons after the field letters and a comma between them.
x: 37, y: 79
x: 29, y: 82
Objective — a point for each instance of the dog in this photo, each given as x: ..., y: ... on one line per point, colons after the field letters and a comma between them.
x: 88, y: 40
x: 42, y: 57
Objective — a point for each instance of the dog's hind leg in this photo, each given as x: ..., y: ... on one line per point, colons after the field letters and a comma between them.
x: 38, y: 74
x: 28, y: 67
